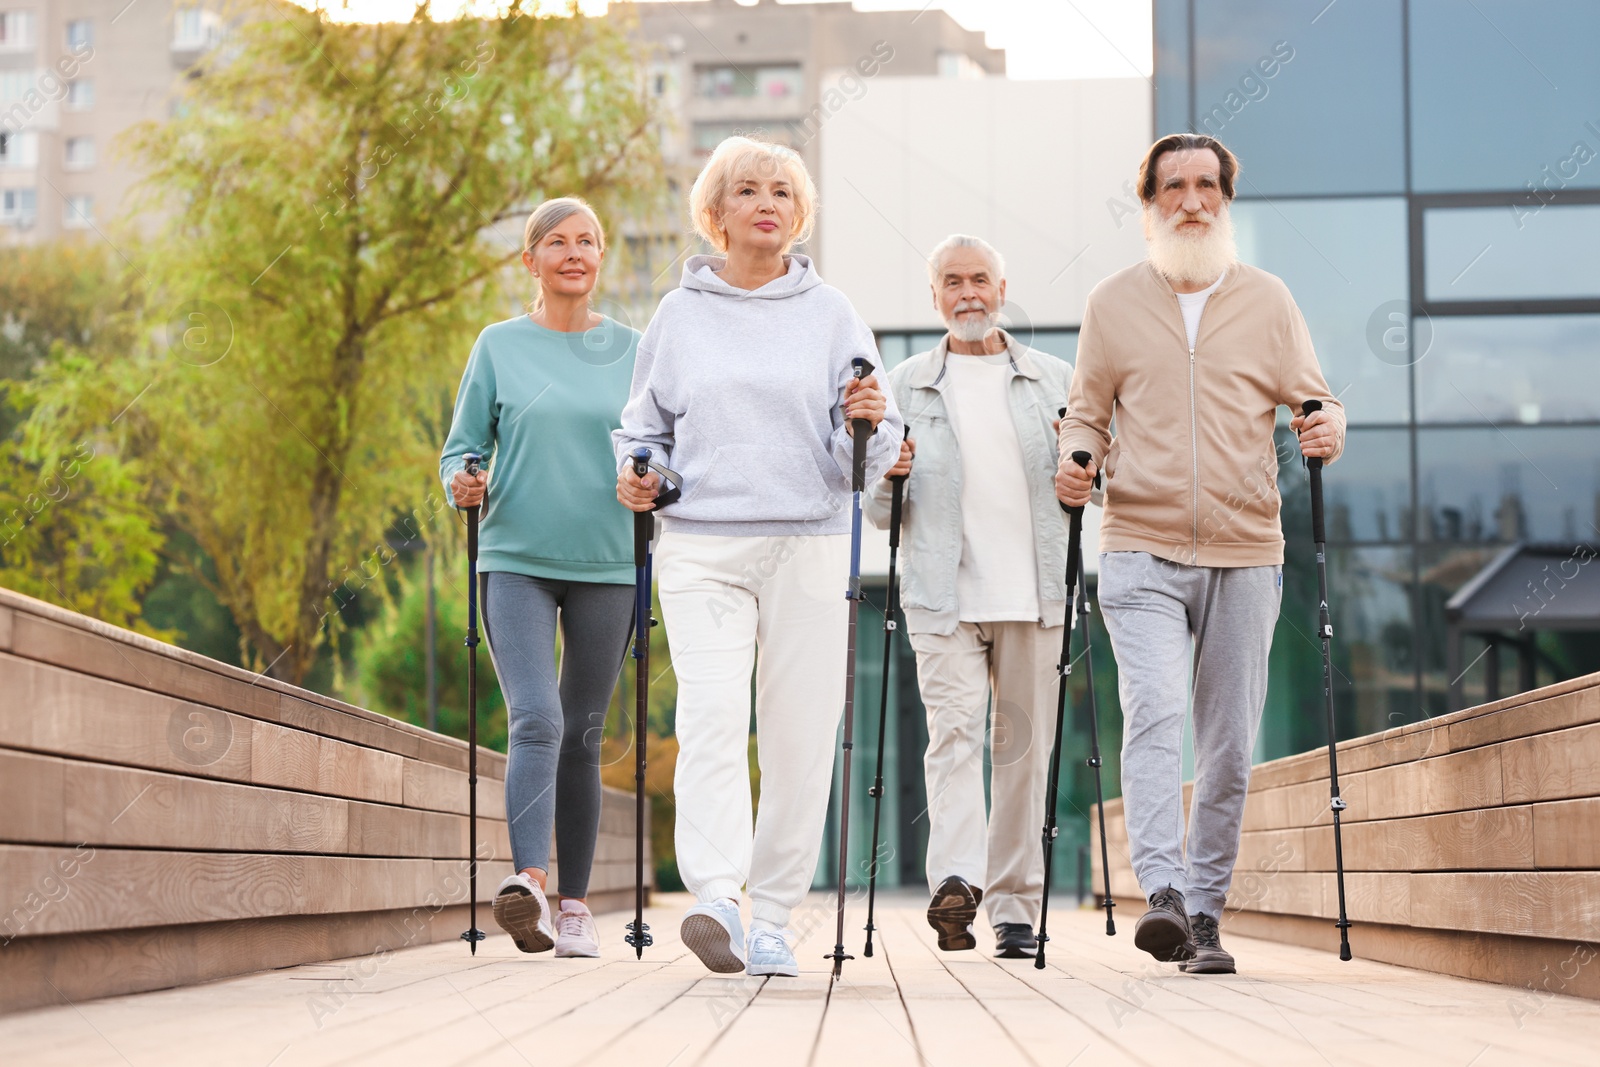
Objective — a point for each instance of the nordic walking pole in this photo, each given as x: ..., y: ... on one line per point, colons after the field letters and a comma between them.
x: 1048, y: 835
x: 861, y: 429
x: 891, y: 606
x: 1325, y: 631
x: 643, y: 533
x: 1094, y: 729
x: 472, y: 935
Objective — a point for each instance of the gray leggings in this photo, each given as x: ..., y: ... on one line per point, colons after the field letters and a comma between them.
x: 553, y: 767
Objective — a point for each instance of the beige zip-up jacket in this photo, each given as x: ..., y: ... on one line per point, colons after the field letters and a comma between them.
x: 1192, y: 476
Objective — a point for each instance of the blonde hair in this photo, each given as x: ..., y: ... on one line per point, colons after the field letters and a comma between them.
x: 739, y: 158
x: 546, y: 217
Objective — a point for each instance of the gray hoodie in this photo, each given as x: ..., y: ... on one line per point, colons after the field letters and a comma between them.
x: 740, y: 392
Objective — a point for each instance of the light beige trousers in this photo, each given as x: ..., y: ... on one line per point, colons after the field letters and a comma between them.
x: 958, y: 672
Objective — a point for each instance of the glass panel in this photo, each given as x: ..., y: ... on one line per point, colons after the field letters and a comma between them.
x: 1367, y: 491
x: 892, y: 349
x: 1516, y: 484
x: 775, y: 83
x: 1374, y: 685
x: 1307, y: 94
x: 1171, y: 66
x: 1503, y: 94
x: 1488, y: 253
x: 1063, y: 344
x: 1345, y: 263
x: 1511, y: 368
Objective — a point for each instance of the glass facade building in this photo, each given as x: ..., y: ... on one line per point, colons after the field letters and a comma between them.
x: 1425, y: 176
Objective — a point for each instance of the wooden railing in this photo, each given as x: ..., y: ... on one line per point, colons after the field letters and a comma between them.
x: 168, y: 819
x: 1471, y: 845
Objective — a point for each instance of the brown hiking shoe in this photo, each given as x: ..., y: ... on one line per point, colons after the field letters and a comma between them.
x: 1164, y: 931
x: 952, y: 911
x: 1209, y: 955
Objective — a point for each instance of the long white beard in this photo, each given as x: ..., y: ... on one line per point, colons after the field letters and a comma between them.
x: 972, y: 330
x: 1195, y: 259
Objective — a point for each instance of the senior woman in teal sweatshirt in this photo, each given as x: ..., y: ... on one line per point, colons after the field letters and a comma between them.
x: 744, y: 387
x: 540, y: 397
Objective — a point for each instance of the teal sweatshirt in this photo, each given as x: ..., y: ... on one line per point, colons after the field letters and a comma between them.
x: 540, y: 406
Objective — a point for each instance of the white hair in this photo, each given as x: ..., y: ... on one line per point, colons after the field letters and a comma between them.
x: 936, y: 258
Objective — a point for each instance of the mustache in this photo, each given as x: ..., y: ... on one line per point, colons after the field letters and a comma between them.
x: 969, y: 305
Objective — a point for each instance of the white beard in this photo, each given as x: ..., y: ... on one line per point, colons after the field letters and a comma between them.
x: 1191, y: 259
x: 970, y: 330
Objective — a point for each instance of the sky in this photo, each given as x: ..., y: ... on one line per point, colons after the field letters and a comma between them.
x: 1042, y: 38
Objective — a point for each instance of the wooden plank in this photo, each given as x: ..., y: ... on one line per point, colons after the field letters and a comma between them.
x: 1554, y: 766
x: 106, y: 963
x: 1555, y: 904
x: 1566, y: 833
x: 1482, y: 839
x: 6, y: 625
x: 1577, y: 708
x: 32, y: 791
x: 113, y: 888
x: 441, y: 789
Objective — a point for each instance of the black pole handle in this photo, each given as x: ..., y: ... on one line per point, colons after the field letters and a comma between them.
x: 1082, y: 459
x: 860, y: 429
x: 642, y: 521
x: 474, y: 463
x: 1314, y: 467
x: 895, y: 504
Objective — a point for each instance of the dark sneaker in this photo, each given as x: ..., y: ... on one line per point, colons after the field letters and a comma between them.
x: 1164, y: 931
x: 1209, y: 955
x: 1015, y: 941
x: 952, y: 911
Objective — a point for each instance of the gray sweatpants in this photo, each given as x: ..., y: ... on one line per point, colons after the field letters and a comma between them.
x: 553, y: 765
x: 1164, y: 617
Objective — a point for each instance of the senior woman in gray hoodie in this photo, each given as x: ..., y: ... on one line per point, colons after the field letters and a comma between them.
x: 743, y: 385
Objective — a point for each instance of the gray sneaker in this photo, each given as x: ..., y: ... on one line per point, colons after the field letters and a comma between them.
x: 1164, y: 931
x: 769, y: 953
x: 1209, y: 955
x: 714, y: 933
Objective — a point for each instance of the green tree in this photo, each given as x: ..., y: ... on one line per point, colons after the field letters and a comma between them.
x: 339, y: 207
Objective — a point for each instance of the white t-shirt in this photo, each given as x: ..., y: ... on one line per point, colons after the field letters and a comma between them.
x: 1193, y: 304
x: 997, y: 579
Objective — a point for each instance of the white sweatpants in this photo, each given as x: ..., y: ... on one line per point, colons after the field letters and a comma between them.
x: 722, y: 598
x: 957, y: 672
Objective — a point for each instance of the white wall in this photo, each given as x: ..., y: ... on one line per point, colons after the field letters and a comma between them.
x: 1029, y: 166
x: 1043, y: 170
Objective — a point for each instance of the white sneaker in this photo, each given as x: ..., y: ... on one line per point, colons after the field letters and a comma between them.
x: 769, y: 953
x: 523, y: 912
x: 714, y: 933
x: 575, y: 933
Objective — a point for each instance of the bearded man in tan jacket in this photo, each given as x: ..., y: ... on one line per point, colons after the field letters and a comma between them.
x: 1193, y: 352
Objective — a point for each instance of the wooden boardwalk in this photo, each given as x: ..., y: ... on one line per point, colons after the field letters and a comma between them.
x: 1099, y: 1002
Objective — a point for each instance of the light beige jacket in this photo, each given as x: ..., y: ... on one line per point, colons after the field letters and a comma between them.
x: 1192, y: 475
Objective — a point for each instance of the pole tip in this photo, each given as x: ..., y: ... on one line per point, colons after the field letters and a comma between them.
x: 1344, y: 953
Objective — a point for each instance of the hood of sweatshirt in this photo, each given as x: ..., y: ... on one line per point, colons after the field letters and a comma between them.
x: 699, y: 273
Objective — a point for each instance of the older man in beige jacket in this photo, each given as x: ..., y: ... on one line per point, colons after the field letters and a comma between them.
x: 1193, y: 352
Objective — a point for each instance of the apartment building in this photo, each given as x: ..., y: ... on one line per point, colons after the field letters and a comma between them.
x: 74, y: 75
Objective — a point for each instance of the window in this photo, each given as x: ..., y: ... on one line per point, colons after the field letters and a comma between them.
x: 707, y: 135
x: 80, y: 94
x: 1345, y: 264
x: 1511, y: 369
x: 1368, y: 491
x: 195, y: 28
x: 1486, y: 110
x: 768, y: 83
x: 1308, y: 94
x: 19, y: 149
x: 78, y: 213
x: 1514, y: 484
x: 16, y: 30
x: 80, y: 34
x: 16, y: 207
x: 1171, y: 66
x: 1489, y: 253
x: 80, y: 153
x: 959, y: 65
